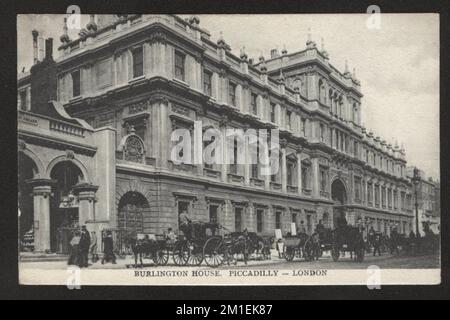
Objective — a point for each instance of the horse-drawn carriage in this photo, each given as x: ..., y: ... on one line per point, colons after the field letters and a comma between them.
x: 347, y: 239
x: 298, y: 246
x: 200, y: 242
x: 337, y: 241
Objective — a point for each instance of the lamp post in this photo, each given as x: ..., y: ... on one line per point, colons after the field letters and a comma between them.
x: 416, y: 181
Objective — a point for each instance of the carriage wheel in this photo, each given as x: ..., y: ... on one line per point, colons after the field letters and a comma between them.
x: 161, y: 257
x: 180, y: 255
x: 195, y: 255
x: 214, y: 252
x: 359, y: 255
x: 335, y: 254
x: 289, y: 254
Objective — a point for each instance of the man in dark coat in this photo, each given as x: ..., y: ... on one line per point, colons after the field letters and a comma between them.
x: 74, y: 258
x: 108, y: 249
x: 395, y: 239
x: 377, y: 244
x: 85, y: 244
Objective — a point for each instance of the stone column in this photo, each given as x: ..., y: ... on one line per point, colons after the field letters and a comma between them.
x: 315, y: 176
x: 165, y: 131
x: 250, y: 219
x: 41, y: 201
x: 283, y: 170
x: 86, y: 200
x: 299, y: 172
x: 247, y: 163
x: 224, y: 168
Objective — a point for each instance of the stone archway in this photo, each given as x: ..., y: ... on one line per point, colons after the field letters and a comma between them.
x: 27, y: 170
x: 133, y: 208
x: 64, y: 204
x: 339, y: 197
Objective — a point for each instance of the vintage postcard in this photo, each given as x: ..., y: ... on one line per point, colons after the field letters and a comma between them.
x: 284, y: 149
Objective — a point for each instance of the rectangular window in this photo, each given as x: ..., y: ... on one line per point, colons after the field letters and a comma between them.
x: 322, y: 132
x: 238, y: 219
x: 358, y: 189
x: 389, y: 198
x: 138, y: 62
x: 232, y: 94
x: 255, y: 171
x: 179, y: 65
x: 369, y: 193
x: 290, y: 174
x: 294, y: 218
x: 383, y: 197
x: 305, y: 177
x: 76, y: 84
x: 259, y: 220
x: 288, y: 119
x: 278, y: 220
x: 395, y: 199
x: 253, y: 103
x: 377, y: 195
x: 323, y: 179
x: 213, y: 214
x: 183, y: 207
x: 355, y: 148
x: 23, y: 100
x: 207, y: 88
x: 272, y: 112
x: 234, y: 165
x: 304, y: 127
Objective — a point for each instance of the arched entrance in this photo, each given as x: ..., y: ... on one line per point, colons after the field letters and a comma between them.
x: 339, y: 197
x: 64, y: 214
x: 131, y: 211
x: 27, y: 169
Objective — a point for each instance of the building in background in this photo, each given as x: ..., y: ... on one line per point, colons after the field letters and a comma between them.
x: 428, y: 200
x: 94, y: 136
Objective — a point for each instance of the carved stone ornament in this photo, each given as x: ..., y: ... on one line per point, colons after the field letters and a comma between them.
x: 133, y: 150
x: 158, y: 37
x: 70, y: 154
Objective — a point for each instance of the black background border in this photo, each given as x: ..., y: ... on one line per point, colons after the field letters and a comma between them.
x: 9, y: 288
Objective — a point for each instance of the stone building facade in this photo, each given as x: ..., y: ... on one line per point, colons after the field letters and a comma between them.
x: 428, y: 201
x: 128, y: 81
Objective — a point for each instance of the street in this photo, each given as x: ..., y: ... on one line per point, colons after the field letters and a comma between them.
x: 385, y: 261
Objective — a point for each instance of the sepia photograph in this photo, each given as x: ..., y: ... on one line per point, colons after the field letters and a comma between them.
x: 228, y: 149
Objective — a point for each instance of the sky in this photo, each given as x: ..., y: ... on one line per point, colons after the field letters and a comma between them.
x: 397, y: 64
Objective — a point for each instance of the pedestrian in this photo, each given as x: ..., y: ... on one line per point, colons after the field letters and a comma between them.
x: 302, y: 228
x: 377, y: 244
x: 85, y: 244
x: 108, y: 249
x: 93, y: 248
x: 395, y: 237
x: 74, y: 257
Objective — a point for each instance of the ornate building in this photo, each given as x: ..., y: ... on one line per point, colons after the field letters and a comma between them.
x: 95, y: 126
x: 428, y: 201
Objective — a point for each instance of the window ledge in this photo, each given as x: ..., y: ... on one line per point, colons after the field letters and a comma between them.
x: 182, y: 82
x: 79, y: 97
x: 137, y: 79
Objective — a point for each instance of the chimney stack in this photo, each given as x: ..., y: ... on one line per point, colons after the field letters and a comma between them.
x: 274, y: 53
x: 35, y: 34
x: 49, y: 48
